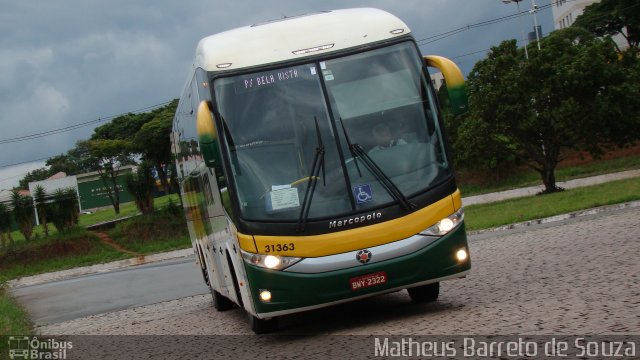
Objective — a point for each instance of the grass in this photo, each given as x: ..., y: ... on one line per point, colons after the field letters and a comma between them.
x: 14, y: 320
x: 161, y: 231
x: 483, y: 216
x: 79, y: 247
x: 58, y: 252
x: 523, y: 177
x: 99, y: 216
x: 126, y: 209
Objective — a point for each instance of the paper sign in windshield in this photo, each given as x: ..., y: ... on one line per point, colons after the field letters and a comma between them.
x: 282, y: 199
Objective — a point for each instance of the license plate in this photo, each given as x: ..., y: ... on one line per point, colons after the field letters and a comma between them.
x: 365, y: 281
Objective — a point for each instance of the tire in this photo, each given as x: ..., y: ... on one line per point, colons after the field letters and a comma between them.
x: 221, y: 302
x: 425, y: 293
x: 263, y: 326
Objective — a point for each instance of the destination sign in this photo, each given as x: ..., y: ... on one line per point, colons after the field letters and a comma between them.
x: 272, y: 78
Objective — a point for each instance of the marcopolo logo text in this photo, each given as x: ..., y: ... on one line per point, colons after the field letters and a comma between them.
x: 355, y: 220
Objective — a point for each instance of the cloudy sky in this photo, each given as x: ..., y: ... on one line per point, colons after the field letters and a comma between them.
x: 67, y: 62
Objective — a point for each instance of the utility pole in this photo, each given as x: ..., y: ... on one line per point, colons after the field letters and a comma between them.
x: 526, y: 42
x: 534, y: 10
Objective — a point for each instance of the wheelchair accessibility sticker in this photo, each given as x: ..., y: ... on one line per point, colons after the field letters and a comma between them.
x: 362, y: 193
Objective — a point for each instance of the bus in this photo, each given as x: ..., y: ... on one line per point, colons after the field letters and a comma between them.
x: 313, y: 165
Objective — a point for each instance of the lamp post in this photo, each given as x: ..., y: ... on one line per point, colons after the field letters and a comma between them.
x: 526, y: 52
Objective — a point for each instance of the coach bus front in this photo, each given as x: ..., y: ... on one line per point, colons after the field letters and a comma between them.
x: 339, y: 177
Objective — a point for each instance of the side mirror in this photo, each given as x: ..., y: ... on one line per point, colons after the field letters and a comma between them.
x: 207, y: 135
x: 455, y: 82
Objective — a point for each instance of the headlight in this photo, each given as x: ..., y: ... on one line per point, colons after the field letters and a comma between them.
x: 445, y: 225
x: 274, y: 262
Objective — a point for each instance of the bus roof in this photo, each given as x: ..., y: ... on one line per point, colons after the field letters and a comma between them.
x: 296, y: 37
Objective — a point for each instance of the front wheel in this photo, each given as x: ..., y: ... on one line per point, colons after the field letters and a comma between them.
x: 221, y: 302
x: 425, y: 293
x: 263, y: 326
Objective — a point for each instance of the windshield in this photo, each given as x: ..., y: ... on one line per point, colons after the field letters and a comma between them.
x: 387, y: 109
x: 278, y: 123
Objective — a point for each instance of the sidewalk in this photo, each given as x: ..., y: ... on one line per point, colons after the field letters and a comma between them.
x: 466, y: 201
x: 532, y: 190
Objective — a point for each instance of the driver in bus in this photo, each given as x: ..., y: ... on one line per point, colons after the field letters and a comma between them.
x: 383, y: 138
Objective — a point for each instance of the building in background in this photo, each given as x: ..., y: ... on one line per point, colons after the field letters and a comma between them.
x: 532, y: 34
x: 565, y: 13
x: 91, y: 190
x: 59, y: 181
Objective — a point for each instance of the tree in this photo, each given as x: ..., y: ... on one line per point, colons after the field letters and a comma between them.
x: 5, y: 225
x: 141, y: 185
x: 75, y: 161
x: 111, y: 155
x: 572, y: 94
x: 62, y: 163
x: 23, y: 213
x: 40, y: 198
x: 82, y: 158
x: 612, y: 17
x: 153, y: 141
x: 34, y: 175
x: 123, y: 127
x: 65, y: 209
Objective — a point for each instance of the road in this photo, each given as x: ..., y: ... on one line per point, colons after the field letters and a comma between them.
x: 64, y: 300
x: 580, y: 276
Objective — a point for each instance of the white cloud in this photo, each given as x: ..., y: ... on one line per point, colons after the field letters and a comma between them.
x: 51, y: 101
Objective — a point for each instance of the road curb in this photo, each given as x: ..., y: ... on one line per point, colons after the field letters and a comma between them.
x: 572, y: 215
x: 98, y: 268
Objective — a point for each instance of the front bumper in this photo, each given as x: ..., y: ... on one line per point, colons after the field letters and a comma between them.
x: 294, y: 292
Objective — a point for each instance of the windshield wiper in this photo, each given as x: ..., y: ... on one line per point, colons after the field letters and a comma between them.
x: 318, y: 163
x: 358, y: 152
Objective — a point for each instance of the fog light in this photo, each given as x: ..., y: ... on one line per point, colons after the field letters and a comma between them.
x: 265, y: 295
x: 462, y: 255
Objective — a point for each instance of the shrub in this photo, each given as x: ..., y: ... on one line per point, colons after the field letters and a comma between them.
x: 5, y: 225
x: 23, y: 213
x: 64, y: 209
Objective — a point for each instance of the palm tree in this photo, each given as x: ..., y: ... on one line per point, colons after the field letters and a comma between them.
x: 23, y: 213
x: 41, y: 207
x: 5, y: 224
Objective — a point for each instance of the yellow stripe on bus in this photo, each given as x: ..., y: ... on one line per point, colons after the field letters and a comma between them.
x: 353, y: 239
x: 457, y: 200
x: 246, y: 243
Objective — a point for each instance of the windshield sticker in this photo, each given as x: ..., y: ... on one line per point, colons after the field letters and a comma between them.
x: 362, y: 193
x: 282, y: 199
x: 313, y: 70
x: 328, y: 75
x: 323, y: 65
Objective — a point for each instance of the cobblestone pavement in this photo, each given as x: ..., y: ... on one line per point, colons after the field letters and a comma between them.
x: 581, y: 276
